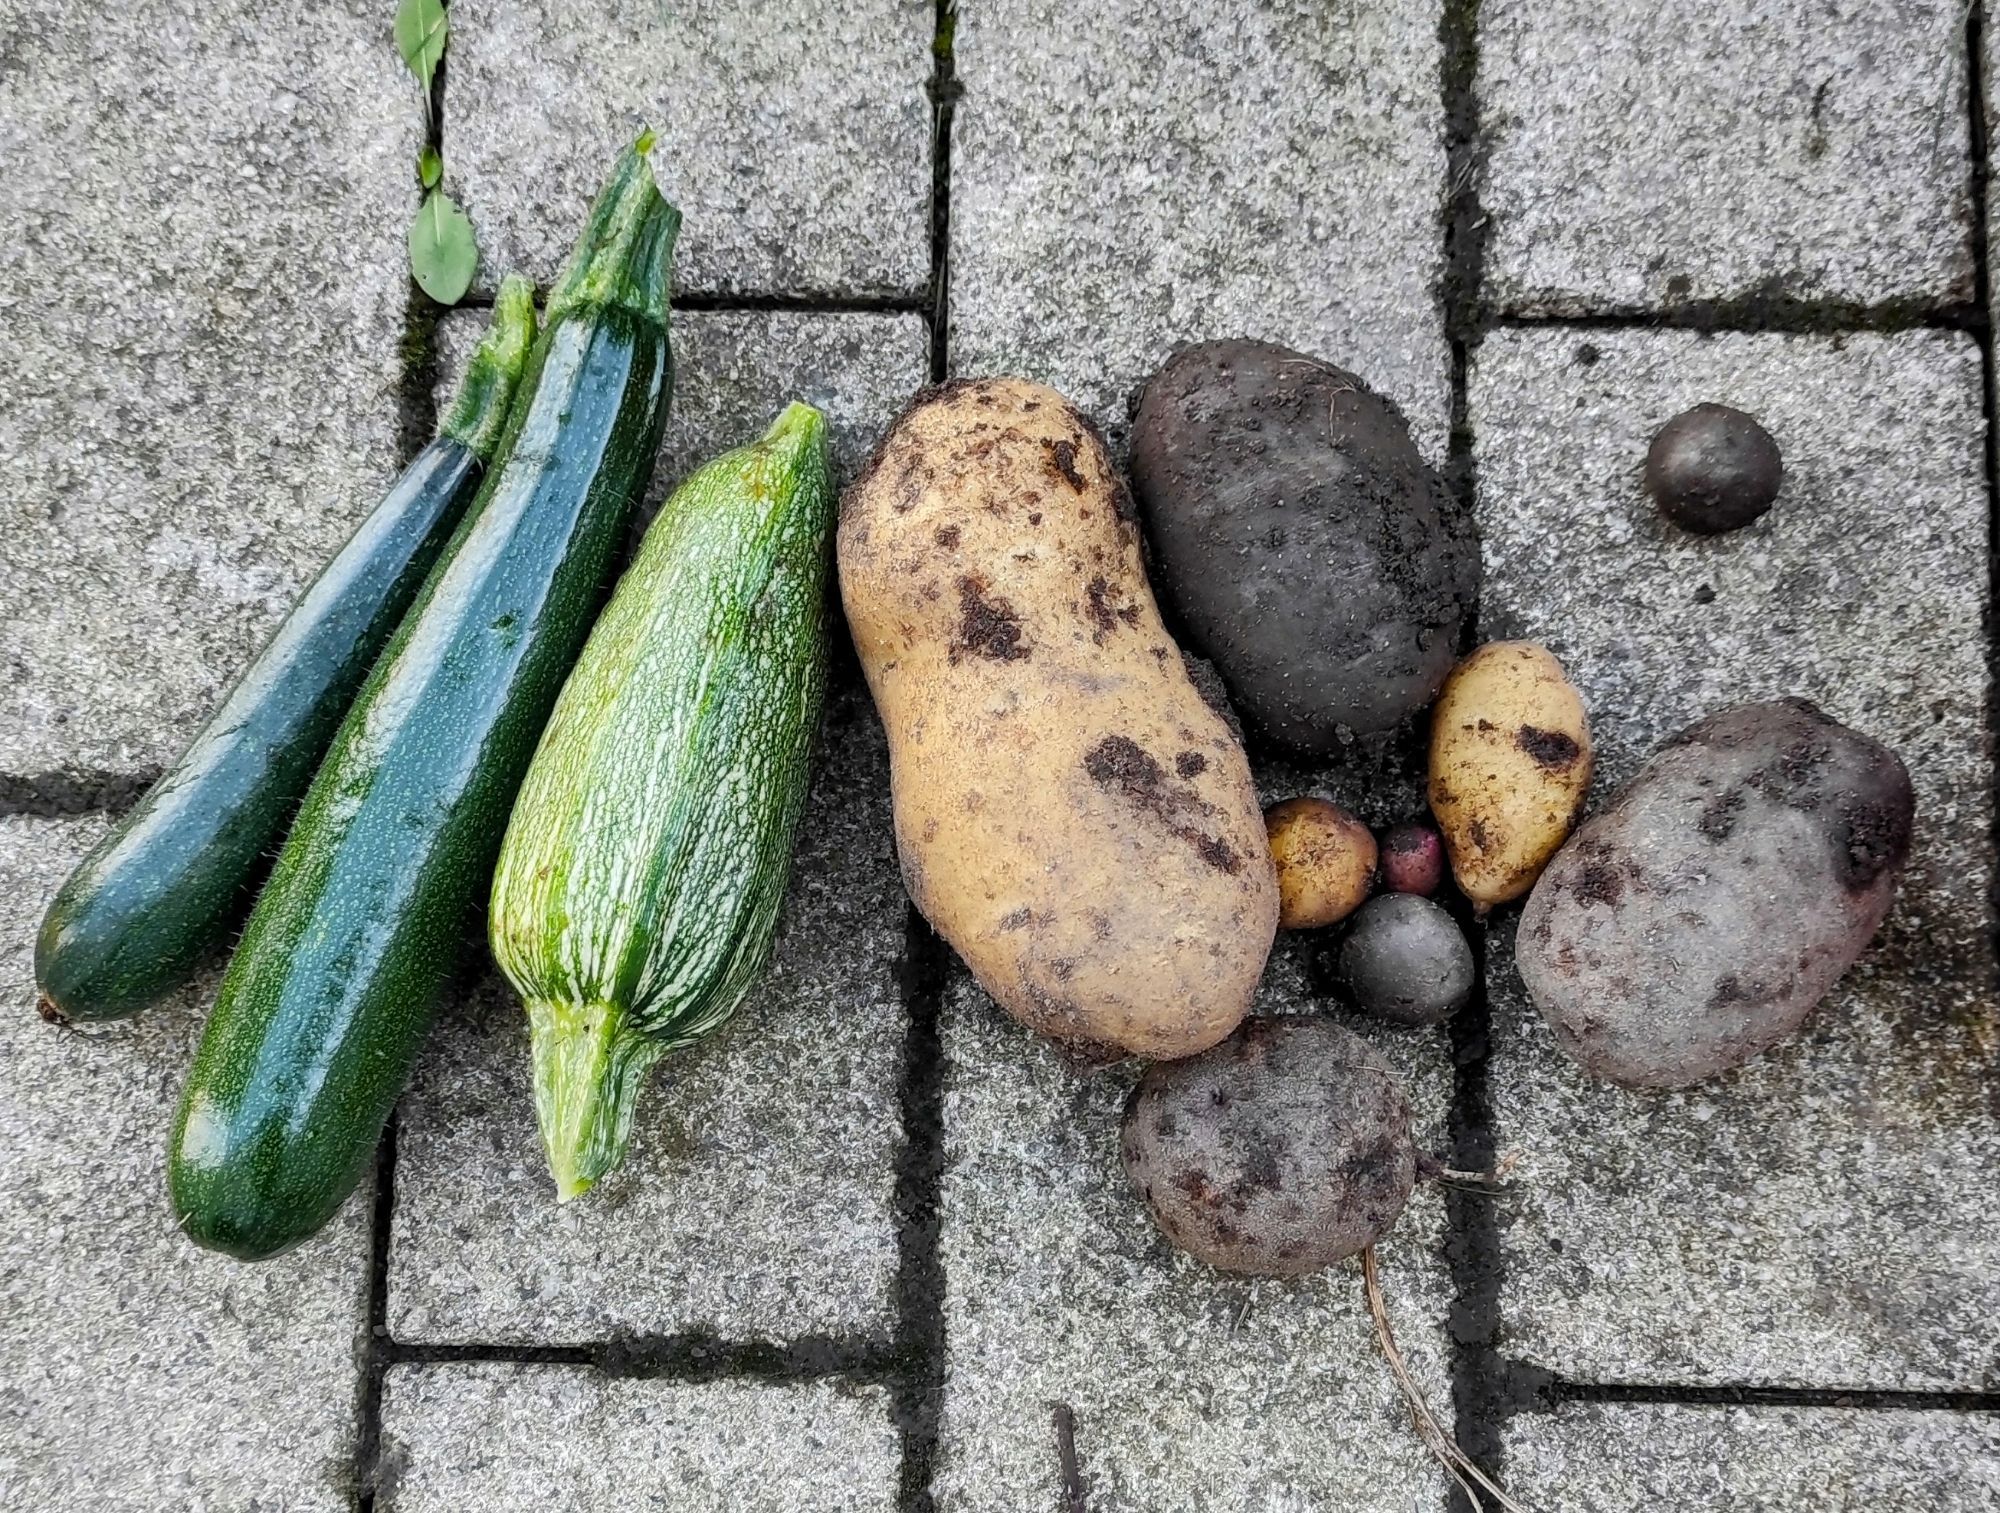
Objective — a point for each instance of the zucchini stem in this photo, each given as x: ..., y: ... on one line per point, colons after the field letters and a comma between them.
x: 626, y: 253
x: 493, y: 373
x: 590, y: 1062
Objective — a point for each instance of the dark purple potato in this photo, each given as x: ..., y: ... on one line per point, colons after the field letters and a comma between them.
x: 1406, y: 960
x: 1413, y: 860
x: 1700, y: 918
x: 1713, y: 469
x: 1281, y: 1150
x: 1299, y: 541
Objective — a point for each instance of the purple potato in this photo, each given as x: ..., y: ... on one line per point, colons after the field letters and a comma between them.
x: 1413, y: 860
x: 1299, y: 540
x: 1282, y: 1150
x: 1700, y: 918
x: 1713, y: 469
x: 1405, y: 960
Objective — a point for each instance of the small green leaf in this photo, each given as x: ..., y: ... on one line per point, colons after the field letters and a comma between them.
x: 430, y: 168
x: 421, y: 29
x: 443, y: 253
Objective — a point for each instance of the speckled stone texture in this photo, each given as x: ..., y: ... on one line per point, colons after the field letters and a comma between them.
x: 201, y: 271
x: 137, y: 1372
x: 1190, y: 1390
x: 1824, y: 1216
x: 735, y: 370
x: 1596, y: 1457
x: 756, y: 1202
x: 1643, y: 155
x: 495, y: 1438
x: 1128, y: 178
x: 795, y: 139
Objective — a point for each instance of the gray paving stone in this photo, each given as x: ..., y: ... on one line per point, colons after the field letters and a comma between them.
x: 1127, y: 178
x: 1190, y: 1390
x: 757, y: 1201
x: 735, y: 370
x: 137, y: 1372
x: 1643, y: 155
x: 1824, y: 1216
x: 1613, y: 1457
x: 496, y: 1438
x: 202, y: 278
x: 796, y: 140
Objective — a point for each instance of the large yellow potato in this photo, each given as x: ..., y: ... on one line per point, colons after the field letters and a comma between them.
x: 1071, y: 814
x: 1510, y: 765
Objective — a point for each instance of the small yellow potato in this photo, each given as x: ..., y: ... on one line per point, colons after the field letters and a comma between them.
x: 1325, y: 859
x: 1071, y: 814
x: 1510, y: 765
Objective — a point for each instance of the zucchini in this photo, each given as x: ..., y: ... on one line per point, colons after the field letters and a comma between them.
x: 322, y: 1012
x: 638, y: 887
x: 158, y: 893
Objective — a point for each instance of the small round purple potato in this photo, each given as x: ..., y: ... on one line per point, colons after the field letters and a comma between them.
x: 1283, y: 1149
x: 1406, y: 960
x: 1325, y: 859
x: 1713, y: 469
x: 1412, y: 860
x: 1699, y: 918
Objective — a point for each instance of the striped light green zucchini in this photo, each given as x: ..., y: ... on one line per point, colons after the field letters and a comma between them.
x: 640, y: 879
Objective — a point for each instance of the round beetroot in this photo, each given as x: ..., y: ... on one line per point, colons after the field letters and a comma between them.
x: 1283, y: 1149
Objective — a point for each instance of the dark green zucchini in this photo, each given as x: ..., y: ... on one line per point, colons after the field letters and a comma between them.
x: 323, y: 1009
x: 159, y: 892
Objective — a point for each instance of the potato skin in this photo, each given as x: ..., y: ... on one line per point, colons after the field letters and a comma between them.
x: 1413, y: 860
x: 1700, y: 918
x: 1284, y: 1149
x: 1325, y: 859
x: 1070, y: 813
x: 1406, y: 961
x: 1509, y: 767
x: 1300, y: 541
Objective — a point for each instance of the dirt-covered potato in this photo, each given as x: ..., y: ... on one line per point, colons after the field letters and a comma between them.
x: 1325, y: 859
x: 1699, y: 918
x: 1284, y: 1149
x: 1301, y: 543
x: 1510, y: 766
x: 1070, y: 813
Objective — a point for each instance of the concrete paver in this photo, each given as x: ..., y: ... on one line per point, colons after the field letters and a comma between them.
x: 1188, y: 1388
x: 493, y: 1438
x: 138, y: 1372
x: 202, y: 250
x: 796, y: 140
x: 1129, y: 178
x: 1600, y: 1457
x: 756, y: 1202
x: 1823, y: 1216
x: 1643, y: 155
x: 202, y: 275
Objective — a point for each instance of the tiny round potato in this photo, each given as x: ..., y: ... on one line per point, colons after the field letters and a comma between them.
x: 1713, y: 469
x: 1413, y: 860
x: 1406, y: 961
x: 1282, y: 1150
x: 1510, y: 766
x: 1325, y: 859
